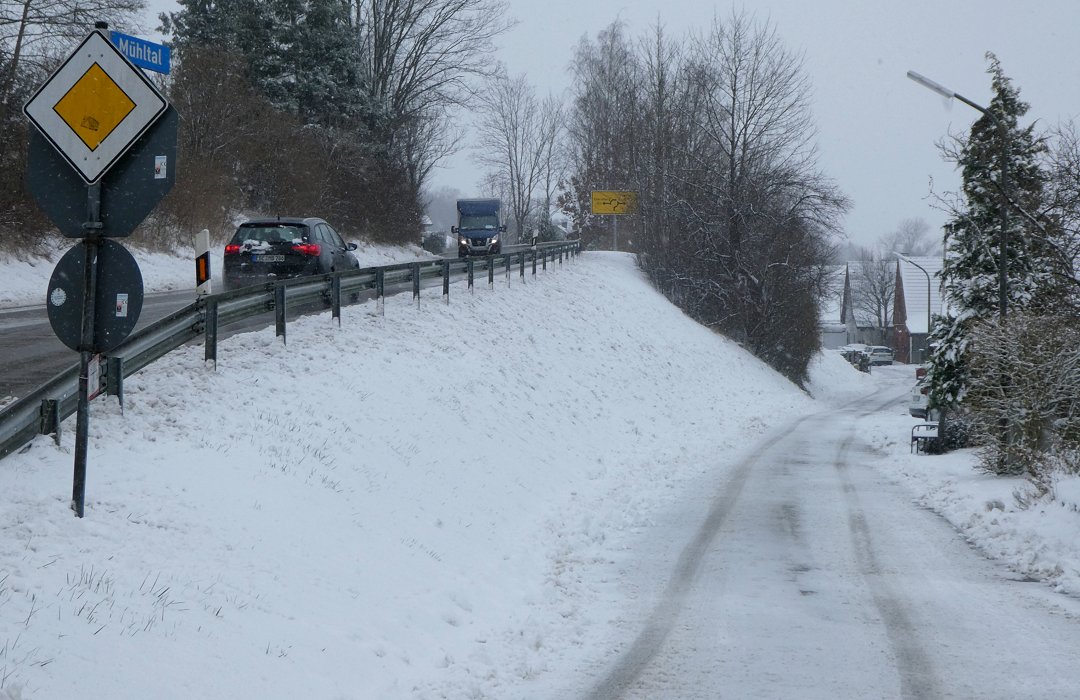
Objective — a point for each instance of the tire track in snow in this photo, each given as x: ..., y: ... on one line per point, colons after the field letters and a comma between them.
x: 914, y: 665
x: 633, y: 662
x: 648, y: 643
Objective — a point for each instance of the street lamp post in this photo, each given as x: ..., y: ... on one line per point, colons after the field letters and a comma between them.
x: 1003, y: 238
x: 926, y: 346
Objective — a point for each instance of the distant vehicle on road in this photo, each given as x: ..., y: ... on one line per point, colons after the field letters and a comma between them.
x: 880, y: 355
x: 264, y: 250
x: 479, y: 230
x: 858, y: 355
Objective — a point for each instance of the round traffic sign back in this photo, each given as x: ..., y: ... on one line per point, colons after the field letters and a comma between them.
x: 117, y: 304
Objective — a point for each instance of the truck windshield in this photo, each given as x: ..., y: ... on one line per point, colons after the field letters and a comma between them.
x: 487, y: 221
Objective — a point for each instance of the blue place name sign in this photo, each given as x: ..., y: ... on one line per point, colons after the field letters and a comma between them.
x: 142, y: 53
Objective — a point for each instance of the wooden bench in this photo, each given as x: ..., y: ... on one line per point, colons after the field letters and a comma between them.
x: 921, y: 434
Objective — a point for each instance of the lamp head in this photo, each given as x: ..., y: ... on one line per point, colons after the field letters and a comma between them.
x: 927, y: 83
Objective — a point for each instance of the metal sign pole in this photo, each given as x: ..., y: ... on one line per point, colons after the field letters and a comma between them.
x: 116, y: 131
x: 86, y: 349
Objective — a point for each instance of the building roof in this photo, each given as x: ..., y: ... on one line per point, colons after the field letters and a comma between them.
x: 914, y: 284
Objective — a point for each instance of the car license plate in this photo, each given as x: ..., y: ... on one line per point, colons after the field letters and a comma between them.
x: 267, y: 258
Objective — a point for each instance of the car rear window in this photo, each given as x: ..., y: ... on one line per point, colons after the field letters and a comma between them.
x: 269, y: 233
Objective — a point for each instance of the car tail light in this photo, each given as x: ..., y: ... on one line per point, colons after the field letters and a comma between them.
x: 232, y: 249
x: 307, y: 248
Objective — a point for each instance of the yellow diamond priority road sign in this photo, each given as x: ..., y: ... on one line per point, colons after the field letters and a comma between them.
x: 95, y: 106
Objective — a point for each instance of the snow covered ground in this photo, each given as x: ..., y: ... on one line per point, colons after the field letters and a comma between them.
x: 417, y: 504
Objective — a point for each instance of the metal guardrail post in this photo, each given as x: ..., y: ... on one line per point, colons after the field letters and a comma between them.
x: 470, y: 266
x: 211, y: 331
x: 114, y: 379
x: 446, y: 280
x: 335, y: 297
x: 560, y: 256
x: 534, y: 263
x: 490, y: 262
x: 380, y: 290
x: 521, y: 267
x: 506, y: 258
x: 416, y: 283
x: 50, y: 419
x: 279, y: 311
x: 543, y: 260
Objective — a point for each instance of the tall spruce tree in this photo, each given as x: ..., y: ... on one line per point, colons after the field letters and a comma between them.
x: 301, y: 54
x: 972, y: 238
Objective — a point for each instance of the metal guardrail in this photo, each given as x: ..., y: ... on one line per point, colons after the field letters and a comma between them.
x: 43, y: 410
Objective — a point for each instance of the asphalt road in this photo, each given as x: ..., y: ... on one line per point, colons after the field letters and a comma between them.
x: 31, y: 354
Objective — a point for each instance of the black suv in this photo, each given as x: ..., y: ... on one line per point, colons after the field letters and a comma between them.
x: 282, y: 247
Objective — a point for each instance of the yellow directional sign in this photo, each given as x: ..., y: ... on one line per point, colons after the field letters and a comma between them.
x: 614, y: 202
x: 95, y: 106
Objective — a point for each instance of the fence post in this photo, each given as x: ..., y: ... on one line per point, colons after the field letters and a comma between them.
x: 279, y: 311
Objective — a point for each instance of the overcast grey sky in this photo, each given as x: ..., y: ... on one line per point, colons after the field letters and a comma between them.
x: 877, y: 129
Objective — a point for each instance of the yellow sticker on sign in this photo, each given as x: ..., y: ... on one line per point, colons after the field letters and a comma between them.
x: 614, y: 202
x: 94, y: 106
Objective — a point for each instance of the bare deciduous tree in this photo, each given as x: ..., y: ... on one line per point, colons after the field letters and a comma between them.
x: 604, y: 128
x: 911, y: 237
x: 516, y: 142
x: 1026, y: 374
x: 39, y: 31
x: 421, y: 57
x: 873, y: 287
x: 715, y: 136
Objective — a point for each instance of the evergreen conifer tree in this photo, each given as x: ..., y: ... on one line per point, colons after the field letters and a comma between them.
x: 972, y: 238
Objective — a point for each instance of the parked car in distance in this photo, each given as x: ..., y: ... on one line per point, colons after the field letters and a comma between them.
x: 917, y: 400
x: 880, y: 355
x: 857, y: 354
x: 269, y: 249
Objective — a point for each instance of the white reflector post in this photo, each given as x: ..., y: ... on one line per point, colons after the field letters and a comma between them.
x: 202, y: 263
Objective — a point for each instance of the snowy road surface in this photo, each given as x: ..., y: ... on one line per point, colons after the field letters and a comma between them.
x: 805, y: 573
